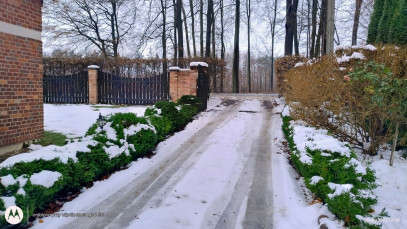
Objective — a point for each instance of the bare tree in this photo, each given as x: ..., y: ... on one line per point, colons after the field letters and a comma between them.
x: 201, y: 9
x: 330, y: 25
x: 222, y: 49
x: 322, y: 30
x: 164, y: 34
x: 191, y: 8
x: 186, y: 31
x: 209, y: 22
x: 291, y: 24
x: 314, y: 28
x: 358, y: 7
x: 101, y: 24
x: 235, y: 67
x: 178, y: 20
x: 248, y: 14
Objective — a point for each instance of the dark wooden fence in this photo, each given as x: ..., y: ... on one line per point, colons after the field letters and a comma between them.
x: 114, y: 89
x: 66, y: 89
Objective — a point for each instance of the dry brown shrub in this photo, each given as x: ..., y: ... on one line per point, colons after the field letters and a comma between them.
x: 126, y: 67
x: 283, y: 65
x: 320, y: 94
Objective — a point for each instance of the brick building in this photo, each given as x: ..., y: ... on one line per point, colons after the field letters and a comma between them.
x: 21, y: 106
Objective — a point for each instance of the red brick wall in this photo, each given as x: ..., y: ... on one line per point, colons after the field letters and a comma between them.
x: 21, y: 107
x: 25, y: 13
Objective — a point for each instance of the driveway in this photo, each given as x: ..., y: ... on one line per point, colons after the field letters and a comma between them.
x: 214, y: 174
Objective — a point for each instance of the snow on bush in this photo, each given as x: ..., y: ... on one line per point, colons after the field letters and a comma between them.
x: 47, y: 171
x: 331, y: 171
x: 45, y: 178
x: 339, y: 189
x: 52, y: 152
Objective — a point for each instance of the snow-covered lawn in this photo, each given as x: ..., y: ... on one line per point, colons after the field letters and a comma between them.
x: 198, y: 197
x: 73, y: 120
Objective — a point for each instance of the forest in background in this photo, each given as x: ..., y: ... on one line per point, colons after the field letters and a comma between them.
x: 246, y: 34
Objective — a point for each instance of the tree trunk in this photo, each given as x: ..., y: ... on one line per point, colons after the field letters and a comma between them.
x: 314, y: 28
x: 186, y: 32
x: 201, y: 26
x: 214, y: 53
x: 164, y: 36
x: 273, y: 84
x: 209, y: 19
x: 175, y: 62
x: 396, y: 134
x: 296, y: 43
x: 180, y: 31
x: 114, y: 24
x: 291, y: 22
x: 222, y: 49
x: 356, y: 22
x: 321, y: 31
x: 330, y: 26
x: 235, y: 67
x: 248, y: 12
x: 191, y: 7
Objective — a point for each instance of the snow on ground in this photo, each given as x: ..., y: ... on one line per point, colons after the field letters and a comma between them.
x: 102, y: 189
x: 213, y: 175
x: 217, y: 171
x: 73, y: 120
x: 391, y: 180
x: 291, y: 209
x: 392, y: 190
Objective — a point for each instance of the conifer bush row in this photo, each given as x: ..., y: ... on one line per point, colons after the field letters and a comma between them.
x: 123, y: 139
x: 331, y: 168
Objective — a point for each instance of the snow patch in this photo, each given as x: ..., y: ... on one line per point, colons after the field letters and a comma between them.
x: 286, y: 111
x: 315, y: 179
x: 345, y: 58
x: 52, y: 152
x: 339, y: 189
x: 21, y: 191
x: 8, y: 201
x: 299, y: 64
x: 7, y: 180
x: 115, y: 150
x: 196, y: 64
x: 132, y: 130
x: 45, y: 178
x: 309, y: 137
x: 359, y: 168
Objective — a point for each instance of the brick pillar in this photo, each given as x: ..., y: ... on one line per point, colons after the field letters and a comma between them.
x: 93, y: 83
x: 194, y: 73
x: 174, y: 78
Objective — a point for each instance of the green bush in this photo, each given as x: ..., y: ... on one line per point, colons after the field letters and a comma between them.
x: 135, y: 135
x: 143, y: 142
x: 191, y: 100
x: 188, y: 111
x: 162, y: 125
x: 334, y: 169
x: 169, y: 110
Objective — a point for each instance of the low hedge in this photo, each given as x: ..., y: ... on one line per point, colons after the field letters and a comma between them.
x: 123, y: 139
x: 332, y: 170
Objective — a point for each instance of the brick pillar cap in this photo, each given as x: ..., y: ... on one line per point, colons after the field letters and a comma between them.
x: 93, y: 67
x: 174, y: 69
x: 196, y: 64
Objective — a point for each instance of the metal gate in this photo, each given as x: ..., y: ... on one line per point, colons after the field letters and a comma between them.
x: 202, y: 91
x: 66, y: 89
x: 114, y: 89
